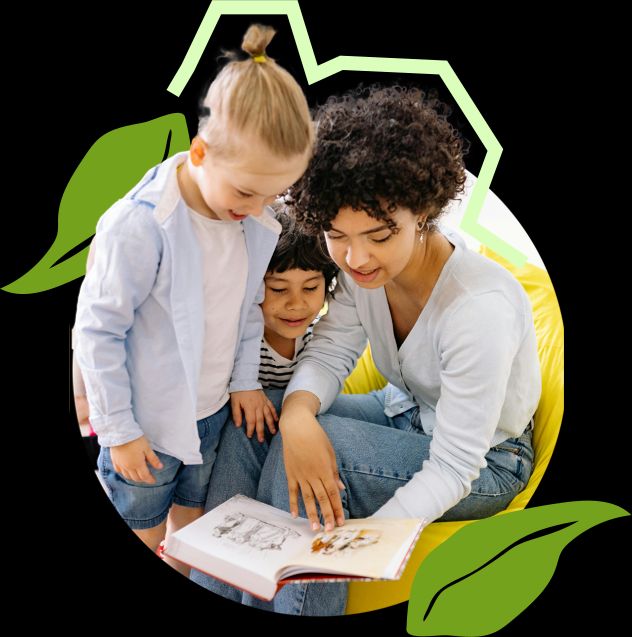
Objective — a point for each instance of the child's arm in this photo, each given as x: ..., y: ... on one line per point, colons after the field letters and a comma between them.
x: 257, y: 408
x: 78, y: 386
x: 130, y: 460
x: 245, y: 389
x: 126, y: 260
x: 79, y: 392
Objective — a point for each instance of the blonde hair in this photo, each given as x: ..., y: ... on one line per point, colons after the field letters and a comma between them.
x: 257, y: 96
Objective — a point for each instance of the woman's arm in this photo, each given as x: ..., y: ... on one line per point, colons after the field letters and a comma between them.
x: 338, y: 341
x: 310, y: 461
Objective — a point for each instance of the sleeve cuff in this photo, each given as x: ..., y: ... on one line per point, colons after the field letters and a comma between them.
x: 316, y: 381
x: 243, y: 385
x: 115, y: 430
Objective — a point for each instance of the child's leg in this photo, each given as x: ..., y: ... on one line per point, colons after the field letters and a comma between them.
x: 179, y: 491
x: 236, y: 470
x: 191, y: 488
x: 152, y: 537
x: 179, y: 517
x: 144, y: 507
x: 193, y: 480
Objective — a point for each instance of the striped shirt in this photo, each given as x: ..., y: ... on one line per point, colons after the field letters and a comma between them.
x: 275, y: 370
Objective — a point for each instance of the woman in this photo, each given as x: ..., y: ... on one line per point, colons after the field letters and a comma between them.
x: 449, y: 438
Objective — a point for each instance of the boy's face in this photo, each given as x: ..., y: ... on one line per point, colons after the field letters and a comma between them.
x: 292, y: 301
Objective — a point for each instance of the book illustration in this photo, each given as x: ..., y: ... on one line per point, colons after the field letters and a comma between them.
x: 257, y: 548
x: 240, y: 528
x: 344, y: 540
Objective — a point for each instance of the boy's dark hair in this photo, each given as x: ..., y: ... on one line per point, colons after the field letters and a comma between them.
x: 377, y: 149
x: 296, y: 249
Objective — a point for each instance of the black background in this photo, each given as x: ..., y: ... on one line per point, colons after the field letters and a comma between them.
x: 80, y: 73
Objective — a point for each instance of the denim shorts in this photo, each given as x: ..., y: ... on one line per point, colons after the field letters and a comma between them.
x: 143, y: 505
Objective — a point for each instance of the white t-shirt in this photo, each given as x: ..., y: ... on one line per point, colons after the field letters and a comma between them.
x: 225, y: 269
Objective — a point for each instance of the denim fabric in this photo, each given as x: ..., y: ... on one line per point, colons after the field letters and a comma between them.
x: 143, y: 505
x: 376, y: 454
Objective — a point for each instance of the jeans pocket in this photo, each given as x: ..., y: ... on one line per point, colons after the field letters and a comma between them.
x: 503, y: 474
x: 170, y: 467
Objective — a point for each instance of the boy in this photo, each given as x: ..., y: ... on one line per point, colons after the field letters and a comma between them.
x: 299, y: 278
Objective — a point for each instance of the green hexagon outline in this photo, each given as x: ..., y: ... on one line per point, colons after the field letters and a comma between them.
x: 315, y: 72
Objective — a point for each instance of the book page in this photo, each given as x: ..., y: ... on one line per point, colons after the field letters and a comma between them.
x: 373, y: 548
x: 248, y: 534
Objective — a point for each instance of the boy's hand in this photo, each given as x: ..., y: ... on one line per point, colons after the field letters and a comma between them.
x: 130, y: 460
x: 257, y: 407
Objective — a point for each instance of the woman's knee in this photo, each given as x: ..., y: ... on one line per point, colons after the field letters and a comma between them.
x: 340, y: 429
x: 356, y: 441
x: 365, y: 407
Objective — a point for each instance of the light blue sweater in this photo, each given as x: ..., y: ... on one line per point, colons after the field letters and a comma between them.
x: 140, y: 317
x: 470, y: 362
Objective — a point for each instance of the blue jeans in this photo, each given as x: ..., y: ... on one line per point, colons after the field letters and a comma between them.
x: 376, y: 454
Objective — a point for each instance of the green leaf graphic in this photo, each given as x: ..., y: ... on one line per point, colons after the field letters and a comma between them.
x: 114, y: 165
x: 487, y: 573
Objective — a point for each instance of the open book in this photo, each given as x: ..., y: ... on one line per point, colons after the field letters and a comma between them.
x: 259, y: 548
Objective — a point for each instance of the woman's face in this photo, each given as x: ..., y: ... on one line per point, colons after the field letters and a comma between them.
x: 368, y: 250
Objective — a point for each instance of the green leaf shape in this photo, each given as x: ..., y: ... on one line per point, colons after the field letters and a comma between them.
x: 488, y: 572
x: 115, y: 163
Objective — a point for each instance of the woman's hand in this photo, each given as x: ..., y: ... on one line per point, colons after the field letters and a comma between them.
x: 130, y: 460
x: 310, y: 462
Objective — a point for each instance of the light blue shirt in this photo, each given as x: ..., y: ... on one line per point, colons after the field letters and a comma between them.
x: 140, y: 317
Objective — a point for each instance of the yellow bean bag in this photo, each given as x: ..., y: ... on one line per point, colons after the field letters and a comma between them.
x: 366, y: 596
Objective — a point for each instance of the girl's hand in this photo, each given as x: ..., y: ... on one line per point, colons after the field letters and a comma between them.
x: 130, y: 460
x: 310, y: 464
x: 257, y: 408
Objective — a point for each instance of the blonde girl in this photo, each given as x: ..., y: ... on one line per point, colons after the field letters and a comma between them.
x: 168, y: 320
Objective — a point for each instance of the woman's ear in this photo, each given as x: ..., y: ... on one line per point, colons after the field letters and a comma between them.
x: 198, y: 150
x: 421, y: 219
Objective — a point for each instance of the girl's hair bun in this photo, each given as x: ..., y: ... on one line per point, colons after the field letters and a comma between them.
x: 257, y: 39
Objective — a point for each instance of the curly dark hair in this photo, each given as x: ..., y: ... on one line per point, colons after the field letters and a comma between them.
x: 379, y: 148
x: 296, y: 249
